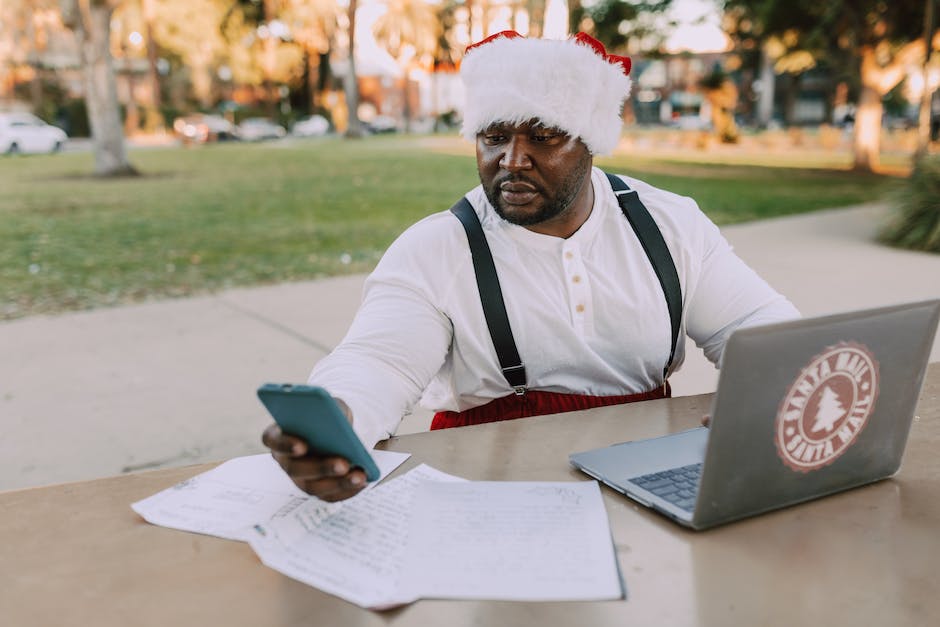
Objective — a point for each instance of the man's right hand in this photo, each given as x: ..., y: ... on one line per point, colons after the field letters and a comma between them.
x: 327, y: 478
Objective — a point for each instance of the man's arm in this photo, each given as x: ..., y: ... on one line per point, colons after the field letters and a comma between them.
x: 397, y: 342
x: 728, y: 295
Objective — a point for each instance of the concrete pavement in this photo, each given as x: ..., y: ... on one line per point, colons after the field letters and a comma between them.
x: 91, y: 394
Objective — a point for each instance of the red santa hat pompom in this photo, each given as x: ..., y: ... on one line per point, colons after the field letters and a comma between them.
x: 573, y: 85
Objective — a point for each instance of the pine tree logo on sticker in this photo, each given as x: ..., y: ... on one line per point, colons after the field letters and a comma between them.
x: 827, y: 407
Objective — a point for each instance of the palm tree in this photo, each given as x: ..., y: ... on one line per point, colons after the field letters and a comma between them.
x: 409, y: 30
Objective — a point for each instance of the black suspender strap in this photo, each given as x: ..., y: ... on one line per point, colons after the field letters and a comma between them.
x: 656, y: 250
x: 491, y: 297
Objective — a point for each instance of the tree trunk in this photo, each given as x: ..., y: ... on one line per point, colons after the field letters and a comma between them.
x: 201, y: 78
x: 867, y: 142
x: 878, y: 80
x: 35, y: 86
x: 350, y: 81
x: 923, y: 126
x: 269, y: 61
x: 575, y: 14
x: 131, y: 111
x: 724, y: 102
x: 768, y: 83
x: 91, y: 22
x: 153, y: 75
x: 312, y: 59
x: 791, y: 92
x: 406, y: 100
x: 536, y: 17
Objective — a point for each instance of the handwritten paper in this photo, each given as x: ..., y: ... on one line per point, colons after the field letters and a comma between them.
x: 511, y: 541
x: 425, y: 534
x: 355, y: 553
x: 431, y: 535
x: 232, y: 497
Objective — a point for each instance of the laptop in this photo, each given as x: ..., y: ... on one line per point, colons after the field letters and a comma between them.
x: 803, y: 409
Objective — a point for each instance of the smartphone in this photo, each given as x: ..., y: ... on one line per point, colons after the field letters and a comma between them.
x: 309, y: 412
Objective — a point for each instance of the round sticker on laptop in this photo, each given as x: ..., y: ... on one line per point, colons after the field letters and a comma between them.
x: 826, y: 407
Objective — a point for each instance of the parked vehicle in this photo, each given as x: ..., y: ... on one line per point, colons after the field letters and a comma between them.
x: 311, y: 126
x: 200, y: 128
x: 258, y: 129
x: 24, y: 132
x: 382, y: 124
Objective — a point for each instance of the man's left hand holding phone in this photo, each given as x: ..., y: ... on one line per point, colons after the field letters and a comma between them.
x: 313, y: 441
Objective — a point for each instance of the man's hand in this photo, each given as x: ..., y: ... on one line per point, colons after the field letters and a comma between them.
x: 327, y: 478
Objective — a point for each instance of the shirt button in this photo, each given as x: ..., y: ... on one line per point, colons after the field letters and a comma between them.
x: 569, y: 255
x: 576, y: 278
x: 579, y: 308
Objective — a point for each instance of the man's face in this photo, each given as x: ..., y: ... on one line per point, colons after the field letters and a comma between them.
x: 532, y: 174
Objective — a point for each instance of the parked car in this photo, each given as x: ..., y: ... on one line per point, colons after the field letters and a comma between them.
x: 690, y: 122
x: 200, y: 128
x: 24, y: 132
x: 311, y: 126
x: 257, y: 129
x: 382, y: 124
x: 203, y: 127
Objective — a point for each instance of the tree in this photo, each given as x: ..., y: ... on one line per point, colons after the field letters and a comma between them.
x: 408, y: 30
x: 616, y: 23
x: 350, y: 79
x: 31, y: 24
x: 193, y: 31
x: 149, y: 13
x: 878, y: 38
x: 90, y: 20
x: 923, y: 124
x: 722, y: 95
x: 829, y: 411
x: 313, y: 25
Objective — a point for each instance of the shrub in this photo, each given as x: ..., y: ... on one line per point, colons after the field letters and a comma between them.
x: 917, y: 223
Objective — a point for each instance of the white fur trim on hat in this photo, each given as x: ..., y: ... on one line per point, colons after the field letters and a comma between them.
x: 564, y: 84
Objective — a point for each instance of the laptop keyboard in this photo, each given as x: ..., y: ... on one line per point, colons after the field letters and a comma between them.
x: 676, y: 485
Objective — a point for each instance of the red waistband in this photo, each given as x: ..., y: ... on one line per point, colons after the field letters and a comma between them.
x: 536, y: 403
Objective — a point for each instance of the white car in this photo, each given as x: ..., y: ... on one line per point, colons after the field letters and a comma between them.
x: 258, y: 129
x: 311, y: 126
x: 24, y: 132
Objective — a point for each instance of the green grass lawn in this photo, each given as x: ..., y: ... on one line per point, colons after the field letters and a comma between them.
x: 218, y: 216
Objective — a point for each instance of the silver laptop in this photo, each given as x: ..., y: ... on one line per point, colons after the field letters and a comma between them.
x: 803, y: 409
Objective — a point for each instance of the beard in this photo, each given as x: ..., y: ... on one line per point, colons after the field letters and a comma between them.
x: 555, y: 203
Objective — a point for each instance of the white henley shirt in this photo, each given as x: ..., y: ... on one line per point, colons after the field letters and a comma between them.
x: 587, y: 313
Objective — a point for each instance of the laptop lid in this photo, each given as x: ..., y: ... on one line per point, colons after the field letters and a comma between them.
x: 811, y: 407
x: 803, y: 409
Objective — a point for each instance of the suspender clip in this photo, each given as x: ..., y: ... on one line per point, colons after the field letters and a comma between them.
x: 515, y: 376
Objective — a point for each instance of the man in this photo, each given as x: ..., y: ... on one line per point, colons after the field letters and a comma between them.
x: 583, y: 295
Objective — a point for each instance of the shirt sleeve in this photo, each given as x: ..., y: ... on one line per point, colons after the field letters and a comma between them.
x: 727, y: 294
x: 398, y: 339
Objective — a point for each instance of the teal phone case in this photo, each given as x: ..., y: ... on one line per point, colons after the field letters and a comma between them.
x: 309, y: 412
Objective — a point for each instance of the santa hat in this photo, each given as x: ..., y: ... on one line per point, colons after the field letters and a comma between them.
x: 573, y: 85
